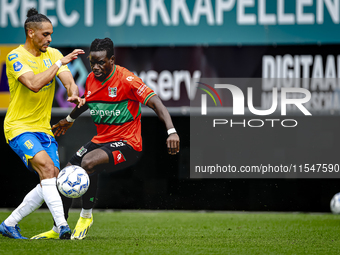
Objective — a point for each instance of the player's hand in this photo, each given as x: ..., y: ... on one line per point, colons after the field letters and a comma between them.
x: 61, y: 127
x: 72, y: 56
x: 77, y: 100
x: 173, y: 144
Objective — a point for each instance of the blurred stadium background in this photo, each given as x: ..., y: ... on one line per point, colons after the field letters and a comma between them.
x: 167, y: 43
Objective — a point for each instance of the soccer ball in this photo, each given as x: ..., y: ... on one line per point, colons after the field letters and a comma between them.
x: 335, y: 203
x: 73, y: 181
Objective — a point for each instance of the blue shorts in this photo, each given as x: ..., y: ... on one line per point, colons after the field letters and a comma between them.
x: 26, y: 145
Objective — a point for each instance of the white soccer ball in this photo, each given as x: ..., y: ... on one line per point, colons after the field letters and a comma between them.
x: 73, y: 181
x: 335, y: 203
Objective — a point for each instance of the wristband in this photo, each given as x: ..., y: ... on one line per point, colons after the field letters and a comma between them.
x: 69, y: 119
x: 58, y: 63
x: 171, y: 131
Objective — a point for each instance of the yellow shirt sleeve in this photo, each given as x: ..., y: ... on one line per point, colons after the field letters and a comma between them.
x: 17, y: 67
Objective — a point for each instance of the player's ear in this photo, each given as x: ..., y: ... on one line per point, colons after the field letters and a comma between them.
x: 112, y: 59
x: 30, y: 33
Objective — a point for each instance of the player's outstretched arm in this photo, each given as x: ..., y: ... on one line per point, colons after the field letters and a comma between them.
x: 173, y: 140
x: 36, y: 81
x: 64, y: 124
x: 71, y: 87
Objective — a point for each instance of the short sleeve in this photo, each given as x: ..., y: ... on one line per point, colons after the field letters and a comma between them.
x: 16, y: 65
x: 139, y: 89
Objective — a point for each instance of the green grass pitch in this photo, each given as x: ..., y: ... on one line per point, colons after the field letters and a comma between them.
x: 185, y: 233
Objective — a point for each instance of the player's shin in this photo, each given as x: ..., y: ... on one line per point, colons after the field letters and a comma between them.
x: 85, y: 220
x: 67, y: 203
x: 53, y: 201
x: 89, y: 198
x: 32, y: 201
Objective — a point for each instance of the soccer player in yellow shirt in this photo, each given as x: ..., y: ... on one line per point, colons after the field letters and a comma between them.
x: 31, y: 70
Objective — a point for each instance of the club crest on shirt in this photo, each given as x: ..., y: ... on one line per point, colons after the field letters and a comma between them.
x: 47, y: 62
x: 112, y: 92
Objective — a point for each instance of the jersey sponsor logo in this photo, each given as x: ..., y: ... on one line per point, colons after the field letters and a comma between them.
x: 81, y: 151
x: 17, y: 66
x: 118, y: 157
x: 88, y: 93
x: 117, y: 144
x: 112, y: 92
x: 130, y: 78
x: 29, y: 144
x: 12, y: 56
x: 106, y: 113
x: 110, y: 113
x: 141, y: 89
x: 47, y: 62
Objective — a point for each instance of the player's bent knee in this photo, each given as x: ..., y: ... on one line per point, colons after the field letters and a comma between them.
x: 88, y: 165
x: 48, y: 173
x: 43, y: 165
x: 46, y: 170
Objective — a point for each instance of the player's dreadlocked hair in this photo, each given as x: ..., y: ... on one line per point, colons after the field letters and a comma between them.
x: 34, y: 17
x: 103, y: 44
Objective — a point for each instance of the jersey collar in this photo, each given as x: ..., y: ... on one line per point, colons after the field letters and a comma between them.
x: 110, y: 76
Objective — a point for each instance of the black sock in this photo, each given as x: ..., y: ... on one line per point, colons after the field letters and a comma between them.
x: 89, y: 198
